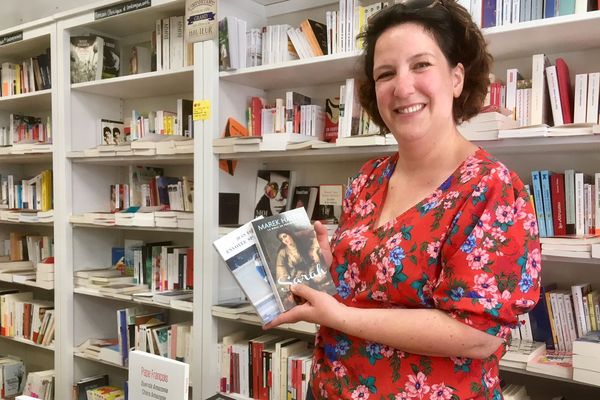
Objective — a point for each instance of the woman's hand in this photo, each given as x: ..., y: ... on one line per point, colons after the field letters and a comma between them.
x: 323, y: 240
x: 319, y: 308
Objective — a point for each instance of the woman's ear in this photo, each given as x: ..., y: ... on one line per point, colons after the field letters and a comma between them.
x: 458, y: 79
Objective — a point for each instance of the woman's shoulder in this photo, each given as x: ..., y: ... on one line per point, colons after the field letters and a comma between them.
x: 371, y: 171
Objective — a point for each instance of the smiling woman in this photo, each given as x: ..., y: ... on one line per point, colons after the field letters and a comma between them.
x: 437, y: 248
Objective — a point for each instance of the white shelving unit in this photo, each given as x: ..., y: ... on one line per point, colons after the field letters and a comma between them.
x: 81, y: 182
x: 571, y: 37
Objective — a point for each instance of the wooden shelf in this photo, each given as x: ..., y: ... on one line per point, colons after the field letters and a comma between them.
x: 176, y: 159
x: 546, y: 376
x: 27, y: 342
x: 132, y: 228
x: 84, y: 292
x: 311, y: 71
x: 27, y: 103
x: 86, y: 357
x: 149, y: 84
x: 544, y: 145
x: 549, y: 36
x: 30, y: 158
x: 253, y: 319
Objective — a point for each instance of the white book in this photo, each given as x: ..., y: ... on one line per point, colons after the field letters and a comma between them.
x: 525, y: 327
x: 556, y: 315
x: 516, y: 11
x: 476, y: 11
x: 592, y: 97
x: 579, y: 204
x: 175, y: 375
x: 176, y: 42
x: 538, y: 88
x: 506, y: 12
x: 512, y: 76
x: 571, y: 323
x: 166, y: 45
x: 580, y: 98
x: 554, y: 93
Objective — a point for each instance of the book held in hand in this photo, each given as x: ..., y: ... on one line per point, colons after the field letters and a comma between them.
x: 289, y: 248
x: 238, y: 250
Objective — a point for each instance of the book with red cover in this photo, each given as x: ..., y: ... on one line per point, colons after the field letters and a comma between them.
x: 564, y: 88
x: 557, y: 189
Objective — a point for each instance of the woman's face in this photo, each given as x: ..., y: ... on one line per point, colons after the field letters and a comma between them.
x: 414, y: 85
x: 286, y: 239
x: 277, y: 192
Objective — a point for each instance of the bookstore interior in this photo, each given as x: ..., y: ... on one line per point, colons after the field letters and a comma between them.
x: 162, y: 163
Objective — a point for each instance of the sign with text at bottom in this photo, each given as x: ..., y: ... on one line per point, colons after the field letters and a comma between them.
x: 157, y: 378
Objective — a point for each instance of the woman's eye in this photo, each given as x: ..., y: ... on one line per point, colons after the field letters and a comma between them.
x: 383, y: 76
x: 421, y: 65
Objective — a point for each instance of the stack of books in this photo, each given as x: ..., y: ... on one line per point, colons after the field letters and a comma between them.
x: 44, y: 273
x: 485, y: 125
x: 40, y: 385
x: 586, y: 358
x: 569, y: 246
x: 250, y: 253
x: 554, y: 363
x: 520, y: 352
x: 27, y: 216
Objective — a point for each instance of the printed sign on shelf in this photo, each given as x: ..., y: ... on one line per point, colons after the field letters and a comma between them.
x: 155, y: 377
x: 200, y: 20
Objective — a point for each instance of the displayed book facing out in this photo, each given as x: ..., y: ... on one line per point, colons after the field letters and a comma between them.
x: 289, y: 248
x: 238, y: 250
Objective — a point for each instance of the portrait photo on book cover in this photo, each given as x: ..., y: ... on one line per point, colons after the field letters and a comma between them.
x: 247, y: 267
x: 272, y: 192
x: 298, y: 260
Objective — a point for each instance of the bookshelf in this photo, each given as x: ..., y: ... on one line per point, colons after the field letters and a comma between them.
x: 36, y: 38
x: 81, y: 182
x: 570, y: 37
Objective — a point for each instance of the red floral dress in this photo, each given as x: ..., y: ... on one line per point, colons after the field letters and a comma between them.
x: 471, y: 249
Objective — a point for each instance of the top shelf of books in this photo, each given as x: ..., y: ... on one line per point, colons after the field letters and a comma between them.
x: 553, y: 35
x: 549, y: 36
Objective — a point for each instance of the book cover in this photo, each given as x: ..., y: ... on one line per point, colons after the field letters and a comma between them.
x: 289, y: 248
x: 272, y: 192
x: 239, y: 251
x: 111, y: 60
x: 86, y: 58
x: 564, y: 89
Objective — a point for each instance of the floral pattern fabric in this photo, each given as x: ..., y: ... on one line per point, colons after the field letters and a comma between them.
x: 470, y: 248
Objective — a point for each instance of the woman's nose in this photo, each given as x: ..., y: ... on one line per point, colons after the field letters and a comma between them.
x: 404, y: 85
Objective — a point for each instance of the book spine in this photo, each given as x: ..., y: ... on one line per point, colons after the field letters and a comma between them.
x: 548, y: 305
x: 570, y: 319
x: 545, y: 180
x: 539, y: 207
x: 579, y: 204
x: 580, y: 98
x: 558, y: 203
x: 592, y: 98
x: 576, y: 292
x: 538, y: 89
x: 570, y: 200
x: 562, y: 346
x: 553, y: 92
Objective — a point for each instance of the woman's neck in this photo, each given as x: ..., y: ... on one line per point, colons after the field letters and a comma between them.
x: 432, y: 152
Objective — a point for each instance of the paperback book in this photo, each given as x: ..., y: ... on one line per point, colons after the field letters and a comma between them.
x: 289, y: 248
x: 238, y: 250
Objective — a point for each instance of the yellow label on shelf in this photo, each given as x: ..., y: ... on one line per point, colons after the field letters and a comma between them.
x: 201, y: 110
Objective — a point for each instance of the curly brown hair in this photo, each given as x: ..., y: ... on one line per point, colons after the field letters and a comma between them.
x: 459, y: 39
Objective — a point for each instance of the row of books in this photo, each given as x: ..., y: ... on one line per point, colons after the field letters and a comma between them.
x: 149, y: 187
x: 143, y: 330
x: 91, y: 387
x: 159, y: 122
x: 156, y: 267
x: 28, y: 216
x: 28, y: 76
x: 40, y: 385
x: 170, y: 49
x: 144, y: 217
x: 564, y: 202
x: 26, y: 129
x: 487, y: 14
x: 20, y: 247
x: 561, y: 316
x: 33, y: 193
x: 22, y: 317
x: 264, y: 367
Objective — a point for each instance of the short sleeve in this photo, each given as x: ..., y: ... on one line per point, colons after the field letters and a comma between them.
x: 491, y: 259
